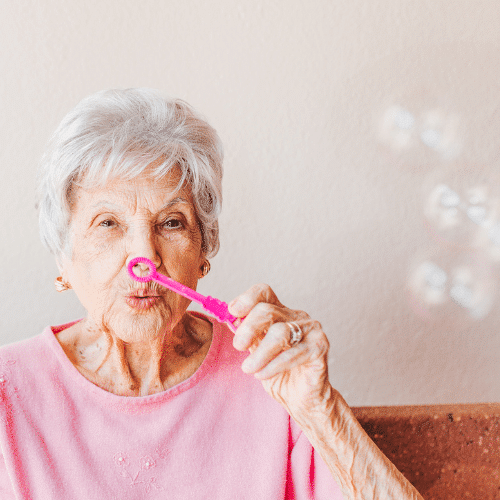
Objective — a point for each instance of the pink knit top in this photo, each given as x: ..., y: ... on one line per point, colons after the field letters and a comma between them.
x: 217, y: 435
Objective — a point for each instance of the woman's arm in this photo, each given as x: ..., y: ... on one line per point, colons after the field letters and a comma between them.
x: 358, y: 466
x: 297, y: 377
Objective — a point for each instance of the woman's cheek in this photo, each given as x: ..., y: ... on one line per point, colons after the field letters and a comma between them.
x: 97, y: 263
x: 181, y: 247
x: 100, y: 244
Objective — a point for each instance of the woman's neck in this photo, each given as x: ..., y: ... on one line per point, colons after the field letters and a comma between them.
x: 140, y: 368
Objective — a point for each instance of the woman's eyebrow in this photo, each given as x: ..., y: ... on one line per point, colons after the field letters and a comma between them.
x: 175, y: 201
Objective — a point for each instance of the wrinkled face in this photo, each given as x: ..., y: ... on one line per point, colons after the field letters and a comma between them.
x: 125, y: 219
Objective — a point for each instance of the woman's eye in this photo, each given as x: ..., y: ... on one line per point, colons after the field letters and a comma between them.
x: 107, y: 223
x: 172, y: 224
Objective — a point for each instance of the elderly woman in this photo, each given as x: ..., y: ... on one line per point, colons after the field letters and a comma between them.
x: 143, y: 399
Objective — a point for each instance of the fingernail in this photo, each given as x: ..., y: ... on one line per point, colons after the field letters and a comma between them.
x: 237, y: 343
x: 235, y: 306
x: 247, y: 366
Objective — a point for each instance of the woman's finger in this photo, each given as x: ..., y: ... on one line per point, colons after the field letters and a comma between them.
x: 271, y: 357
x: 244, y: 303
x: 285, y: 361
x: 312, y: 349
x: 256, y: 324
x: 275, y: 341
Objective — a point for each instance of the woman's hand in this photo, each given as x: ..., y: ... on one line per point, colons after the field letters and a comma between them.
x: 296, y: 376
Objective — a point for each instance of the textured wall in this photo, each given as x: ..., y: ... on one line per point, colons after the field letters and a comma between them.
x: 361, y: 174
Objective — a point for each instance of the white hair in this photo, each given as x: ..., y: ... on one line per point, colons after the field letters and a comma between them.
x: 119, y: 133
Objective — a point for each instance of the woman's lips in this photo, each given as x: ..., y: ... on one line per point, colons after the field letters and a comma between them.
x: 142, y: 299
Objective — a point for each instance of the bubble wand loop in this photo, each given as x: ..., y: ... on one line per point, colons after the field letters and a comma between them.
x: 210, y: 304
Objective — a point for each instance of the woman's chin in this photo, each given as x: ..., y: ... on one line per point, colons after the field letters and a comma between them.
x: 139, y: 324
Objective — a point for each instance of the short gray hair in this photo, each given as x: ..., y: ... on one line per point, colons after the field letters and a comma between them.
x: 119, y: 133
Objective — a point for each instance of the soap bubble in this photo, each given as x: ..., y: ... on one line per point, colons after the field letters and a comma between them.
x: 420, y: 131
x: 452, y: 288
x: 431, y: 138
x: 439, y: 131
x: 462, y: 205
x: 397, y: 127
x: 443, y: 208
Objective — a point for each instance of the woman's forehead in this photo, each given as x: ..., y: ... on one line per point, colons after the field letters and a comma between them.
x: 143, y: 191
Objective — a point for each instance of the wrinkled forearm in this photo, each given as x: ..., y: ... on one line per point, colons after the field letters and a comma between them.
x: 362, y: 471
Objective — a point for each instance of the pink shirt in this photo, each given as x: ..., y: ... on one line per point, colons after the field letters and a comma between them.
x: 216, y: 436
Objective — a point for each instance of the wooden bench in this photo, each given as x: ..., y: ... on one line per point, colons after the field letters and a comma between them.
x: 448, y: 452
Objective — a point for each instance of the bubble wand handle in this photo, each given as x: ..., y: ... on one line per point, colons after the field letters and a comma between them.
x: 215, y: 306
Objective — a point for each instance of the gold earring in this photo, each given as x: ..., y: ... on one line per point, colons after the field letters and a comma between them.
x: 61, y: 286
x: 205, y: 268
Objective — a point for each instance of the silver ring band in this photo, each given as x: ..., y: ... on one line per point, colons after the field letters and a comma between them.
x: 295, y: 333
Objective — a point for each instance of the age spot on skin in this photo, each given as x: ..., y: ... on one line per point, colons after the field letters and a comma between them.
x: 188, y: 350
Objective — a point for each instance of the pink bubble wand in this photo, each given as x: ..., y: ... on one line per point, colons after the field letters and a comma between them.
x: 210, y: 304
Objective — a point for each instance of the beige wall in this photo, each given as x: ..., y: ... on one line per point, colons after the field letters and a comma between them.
x: 361, y: 176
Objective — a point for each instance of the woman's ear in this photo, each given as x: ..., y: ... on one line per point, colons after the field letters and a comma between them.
x: 204, y: 268
x: 62, y: 263
x: 61, y: 283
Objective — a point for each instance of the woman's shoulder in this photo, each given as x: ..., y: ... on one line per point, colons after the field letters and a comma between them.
x: 21, y: 348
x: 33, y: 355
x: 21, y: 370
x: 23, y: 353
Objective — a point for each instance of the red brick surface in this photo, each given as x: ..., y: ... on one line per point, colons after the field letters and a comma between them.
x: 446, y: 451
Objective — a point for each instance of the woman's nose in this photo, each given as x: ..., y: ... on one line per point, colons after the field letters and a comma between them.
x: 144, y: 245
